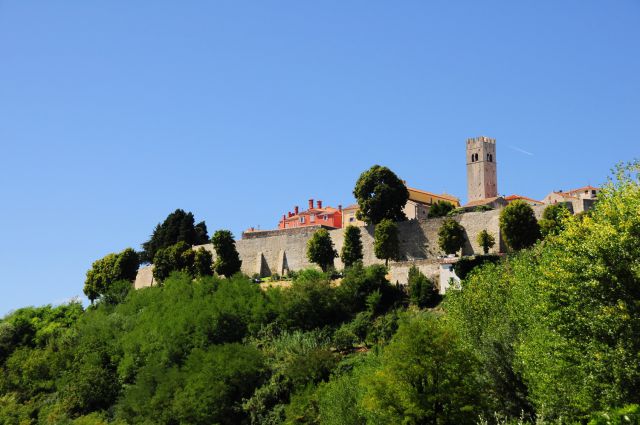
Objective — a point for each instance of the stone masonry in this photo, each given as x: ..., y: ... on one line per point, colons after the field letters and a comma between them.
x: 280, y: 251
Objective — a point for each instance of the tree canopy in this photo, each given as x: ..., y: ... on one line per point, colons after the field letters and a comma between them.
x: 352, y: 246
x: 441, y: 209
x: 518, y: 225
x: 386, y: 244
x: 228, y: 260
x: 553, y: 219
x: 451, y: 236
x: 486, y: 241
x: 177, y: 227
x: 320, y: 249
x: 105, y: 272
x: 380, y: 195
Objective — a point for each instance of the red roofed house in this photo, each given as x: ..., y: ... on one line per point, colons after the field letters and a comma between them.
x: 314, y: 216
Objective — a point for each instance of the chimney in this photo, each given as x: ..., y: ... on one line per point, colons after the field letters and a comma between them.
x: 310, y: 204
x: 284, y: 217
x: 339, y: 207
x: 295, y: 210
x: 319, y: 205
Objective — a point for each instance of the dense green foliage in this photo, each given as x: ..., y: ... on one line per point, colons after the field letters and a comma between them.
x: 320, y: 249
x: 105, y: 272
x: 352, y: 246
x: 486, y: 241
x: 547, y: 334
x: 464, y: 265
x: 177, y: 227
x: 380, y: 195
x: 441, y: 209
x: 451, y: 236
x: 519, y: 226
x: 422, y: 291
x: 386, y: 244
x: 553, y: 219
x: 228, y: 260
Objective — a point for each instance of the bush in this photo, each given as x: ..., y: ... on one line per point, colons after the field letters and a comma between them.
x: 440, y: 209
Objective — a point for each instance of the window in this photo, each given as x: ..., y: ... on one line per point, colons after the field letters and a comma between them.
x: 312, y: 218
x: 302, y: 219
x: 351, y: 219
x: 593, y: 192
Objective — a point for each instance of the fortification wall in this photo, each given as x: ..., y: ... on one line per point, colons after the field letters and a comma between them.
x: 269, y: 252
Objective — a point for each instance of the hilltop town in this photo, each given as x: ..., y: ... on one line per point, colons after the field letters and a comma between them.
x: 282, y: 250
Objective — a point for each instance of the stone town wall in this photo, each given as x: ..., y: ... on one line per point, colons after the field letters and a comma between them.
x: 269, y: 252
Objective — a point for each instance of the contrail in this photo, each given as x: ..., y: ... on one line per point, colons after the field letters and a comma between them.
x: 521, y: 150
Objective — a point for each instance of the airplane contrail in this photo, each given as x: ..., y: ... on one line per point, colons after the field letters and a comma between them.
x: 521, y: 150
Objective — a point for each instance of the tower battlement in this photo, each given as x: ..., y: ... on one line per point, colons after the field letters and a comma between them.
x: 481, y: 139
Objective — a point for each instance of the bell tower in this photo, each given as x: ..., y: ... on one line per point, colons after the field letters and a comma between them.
x: 482, y: 178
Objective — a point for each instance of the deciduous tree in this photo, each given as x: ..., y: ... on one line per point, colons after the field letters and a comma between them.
x: 519, y: 226
x: 486, y: 241
x: 380, y: 194
x: 386, y: 244
x: 228, y: 260
x: 108, y: 270
x: 451, y: 236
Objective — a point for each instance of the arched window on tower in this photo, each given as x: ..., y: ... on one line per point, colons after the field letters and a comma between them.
x: 490, y: 157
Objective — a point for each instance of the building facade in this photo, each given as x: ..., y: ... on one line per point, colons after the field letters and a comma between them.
x: 314, y: 216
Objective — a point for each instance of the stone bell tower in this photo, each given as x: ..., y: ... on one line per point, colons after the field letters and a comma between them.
x: 482, y: 178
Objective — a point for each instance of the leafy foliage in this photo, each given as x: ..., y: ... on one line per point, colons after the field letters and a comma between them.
x: 104, y: 273
x: 320, y: 249
x: 464, y: 265
x: 352, y: 247
x: 386, y: 244
x: 178, y: 257
x: 553, y: 219
x: 228, y: 260
x: 451, y: 236
x: 440, y: 209
x: 177, y: 227
x: 518, y: 225
x: 422, y: 291
x: 380, y: 195
x: 486, y: 241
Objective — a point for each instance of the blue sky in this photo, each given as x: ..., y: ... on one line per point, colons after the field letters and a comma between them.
x: 113, y: 114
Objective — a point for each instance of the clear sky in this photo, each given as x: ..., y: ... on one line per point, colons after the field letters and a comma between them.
x: 113, y: 114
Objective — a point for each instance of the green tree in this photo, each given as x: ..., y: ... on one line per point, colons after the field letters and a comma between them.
x: 108, y: 270
x: 228, y: 260
x: 553, y: 219
x: 352, y: 247
x: 519, y: 226
x: 203, y: 263
x: 178, y: 257
x: 320, y: 249
x: 440, y: 209
x: 422, y: 291
x: 486, y: 241
x: 386, y: 244
x: 380, y: 195
x: 177, y: 227
x: 451, y: 236
x: 426, y: 376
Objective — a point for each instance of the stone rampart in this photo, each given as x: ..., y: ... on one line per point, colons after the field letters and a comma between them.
x: 280, y: 251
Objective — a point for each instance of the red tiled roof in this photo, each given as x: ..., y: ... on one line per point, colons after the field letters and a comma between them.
x: 514, y: 197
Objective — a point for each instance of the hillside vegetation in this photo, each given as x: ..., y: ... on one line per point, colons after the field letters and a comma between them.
x: 549, y: 334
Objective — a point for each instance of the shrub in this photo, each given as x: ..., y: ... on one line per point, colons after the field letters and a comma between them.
x: 451, y: 236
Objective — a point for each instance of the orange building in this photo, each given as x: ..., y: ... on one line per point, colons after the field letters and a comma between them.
x: 314, y: 216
